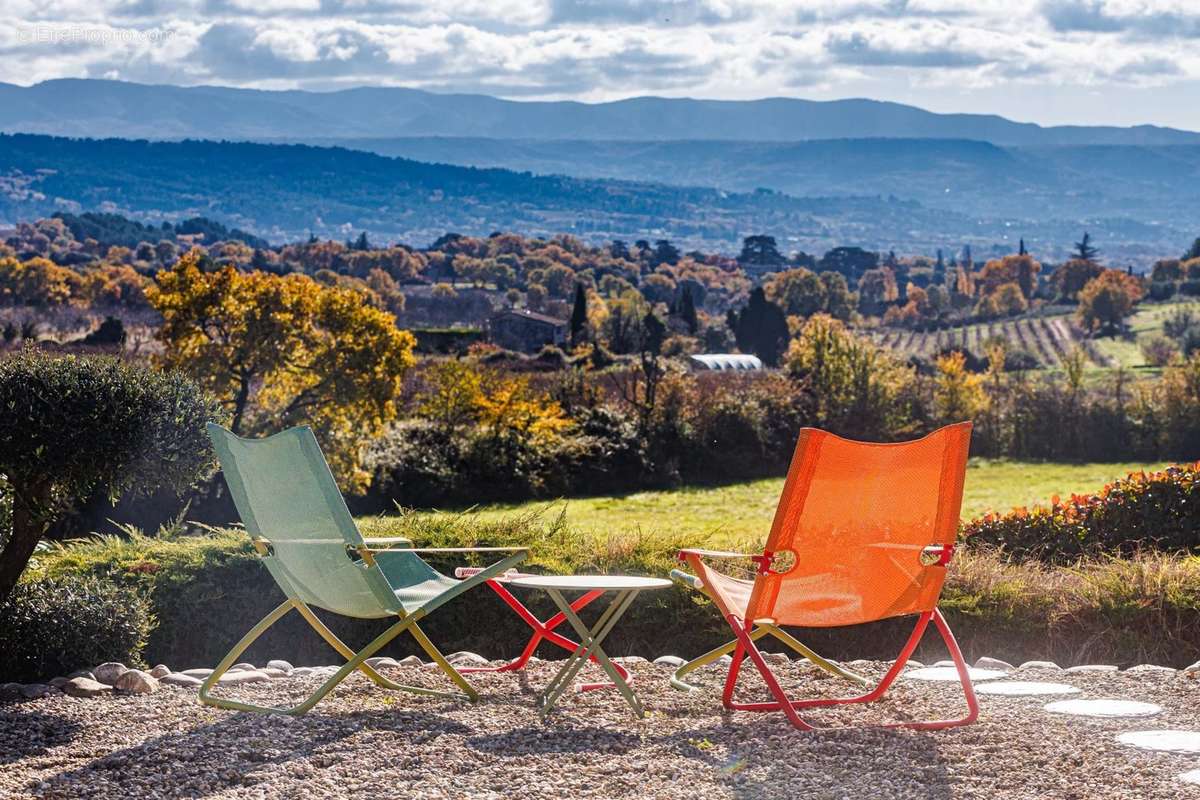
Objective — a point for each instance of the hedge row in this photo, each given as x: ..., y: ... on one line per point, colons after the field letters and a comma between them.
x: 205, y: 591
x: 1143, y: 511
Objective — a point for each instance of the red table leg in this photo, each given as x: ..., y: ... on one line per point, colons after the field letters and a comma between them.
x: 543, y: 630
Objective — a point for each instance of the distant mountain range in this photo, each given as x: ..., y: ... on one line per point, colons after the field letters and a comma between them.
x: 284, y: 192
x: 84, y: 107
x: 1080, y: 182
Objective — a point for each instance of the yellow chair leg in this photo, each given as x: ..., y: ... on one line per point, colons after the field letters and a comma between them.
x: 761, y: 630
x: 355, y: 661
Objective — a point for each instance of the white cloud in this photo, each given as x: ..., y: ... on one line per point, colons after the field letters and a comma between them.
x: 602, y: 49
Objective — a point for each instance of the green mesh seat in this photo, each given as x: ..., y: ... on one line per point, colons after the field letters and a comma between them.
x: 304, y: 535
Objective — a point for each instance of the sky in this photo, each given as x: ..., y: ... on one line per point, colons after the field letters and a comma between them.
x: 1121, y: 62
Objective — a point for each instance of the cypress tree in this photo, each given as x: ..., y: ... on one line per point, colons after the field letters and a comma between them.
x: 579, y: 316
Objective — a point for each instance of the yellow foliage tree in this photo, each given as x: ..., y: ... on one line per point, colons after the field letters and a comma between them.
x: 1108, y: 299
x: 498, y: 405
x: 279, y: 351
x: 958, y: 393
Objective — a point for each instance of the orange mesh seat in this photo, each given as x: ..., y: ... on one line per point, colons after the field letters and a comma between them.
x: 863, y: 532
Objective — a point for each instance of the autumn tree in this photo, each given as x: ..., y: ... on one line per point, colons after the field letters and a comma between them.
x: 1072, y: 276
x: 279, y: 351
x: 877, y: 290
x: 798, y: 292
x: 958, y: 394
x: 1108, y: 299
x: 1019, y: 269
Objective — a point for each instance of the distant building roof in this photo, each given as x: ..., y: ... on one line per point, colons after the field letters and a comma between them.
x: 726, y: 361
x: 525, y: 313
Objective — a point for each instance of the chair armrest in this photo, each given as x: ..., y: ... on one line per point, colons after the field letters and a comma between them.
x: 374, y: 540
x: 687, y: 579
x: 683, y: 554
x: 518, y: 554
x: 464, y: 549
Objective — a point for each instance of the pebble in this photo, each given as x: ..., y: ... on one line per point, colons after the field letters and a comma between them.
x: 32, y: 691
x: 86, y: 687
x: 776, y: 658
x: 1144, y: 668
x: 10, y: 691
x: 466, y: 657
x: 629, y: 660
x: 1093, y: 668
x: 196, y: 673
x: 242, y: 677
x: 57, y: 683
x: 411, y: 661
x: 160, y: 671
x: 109, y: 672
x: 135, y: 681
x: 670, y: 661
x: 382, y: 662
x: 1039, y: 665
x: 1104, y: 708
x: 179, y: 679
x: 1166, y: 740
x: 82, y: 673
x: 300, y: 672
x: 244, y: 666
x: 279, y: 663
x: 272, y: 672
x: 987, y: 662
x: 1193, y: 668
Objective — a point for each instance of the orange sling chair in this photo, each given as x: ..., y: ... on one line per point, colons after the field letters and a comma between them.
x: 868, y: 530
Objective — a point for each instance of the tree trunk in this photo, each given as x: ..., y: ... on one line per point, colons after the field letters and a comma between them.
x: 27, y: 529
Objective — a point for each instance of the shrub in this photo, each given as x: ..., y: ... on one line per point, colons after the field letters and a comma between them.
x: 1159, y: 511
x: 74, y: 425
x: 1157, y: 350
x: 56, y: 626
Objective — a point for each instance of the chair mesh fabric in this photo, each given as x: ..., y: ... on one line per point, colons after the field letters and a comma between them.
x: 858, y: 516
x: 285, y: 493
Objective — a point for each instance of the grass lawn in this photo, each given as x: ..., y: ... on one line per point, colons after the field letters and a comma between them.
x: 744, y: 510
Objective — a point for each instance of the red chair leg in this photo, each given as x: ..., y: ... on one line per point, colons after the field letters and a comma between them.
x: 789, y: 707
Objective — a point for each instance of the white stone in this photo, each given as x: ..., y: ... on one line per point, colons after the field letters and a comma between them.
x: 1165, y: 740
x: 279, y: 663
x: 271, y: 672
x: 245, y: 666
x: 1024, y: 688
x: 466, y: 657
x: 914, y: 664
x: 160, y: 671
x: 1191, y: 777
x: 629, y: 660
x: 1039, y: 665
x: 1104, y: 708
x: 936, y: 673
x: 135, y: 681
x: 195, y: 673
x: 1093, y: 668
x: 242, y: 676
x: 670, y: 661
x: 413, y: 661
x: 300, y: 672
x: 942, y: 664
x: 86, y: 687
x: 82, y: 673
x: 1151, y: 668
x: 993, y: 663
x: 382, y: 662
x: 723, y: 662
x: 32, y: 691
x: 1193, y: 668
x: 179, y: 679
x: 109, y: 672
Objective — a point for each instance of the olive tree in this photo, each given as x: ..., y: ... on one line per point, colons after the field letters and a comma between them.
x: 74, y: 425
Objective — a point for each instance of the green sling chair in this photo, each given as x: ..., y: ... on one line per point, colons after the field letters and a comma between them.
x: 304, y: 535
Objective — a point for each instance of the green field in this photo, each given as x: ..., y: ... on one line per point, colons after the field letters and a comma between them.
x: 744, y: 510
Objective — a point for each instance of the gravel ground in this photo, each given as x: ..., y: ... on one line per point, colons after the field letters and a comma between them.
x: 366, y: 742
